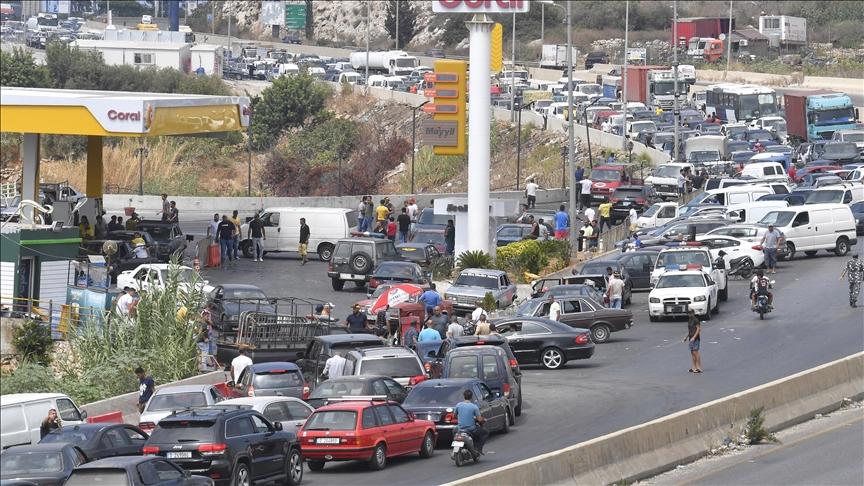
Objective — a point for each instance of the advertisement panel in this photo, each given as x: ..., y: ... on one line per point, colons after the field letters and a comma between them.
x: 272, y: 13
x: 480, y: 6
x: 56, y: 6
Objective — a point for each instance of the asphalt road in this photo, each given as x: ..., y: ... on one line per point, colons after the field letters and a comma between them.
x: 640, y: 375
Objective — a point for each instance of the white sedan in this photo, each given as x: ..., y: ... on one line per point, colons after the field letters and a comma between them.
x: 677, y: 291
x: 155, y: 275
x: 289, y: 411
x: 733, y: 248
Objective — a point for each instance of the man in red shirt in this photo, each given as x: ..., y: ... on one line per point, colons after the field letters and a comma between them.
x: 391, y: 228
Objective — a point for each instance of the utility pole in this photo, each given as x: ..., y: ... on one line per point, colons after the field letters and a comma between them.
x: 212, y: 17
x: 571, y: 164
x: 542, y: 27
x: 414, y: 139
x: 397, y: 25
x: 249, y: 153
x: 624, y: 78
x: 513, y: 73
x: 366, y: 84
x: 728, y: 42
x: 675, y: 109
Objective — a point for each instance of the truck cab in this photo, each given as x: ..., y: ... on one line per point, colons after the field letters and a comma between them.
x: 665, y: 178
x: 608, y: 177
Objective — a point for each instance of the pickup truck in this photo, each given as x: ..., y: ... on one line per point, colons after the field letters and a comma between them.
x: 473, y: 284
x: 665, y: 179
x: 608, y: 177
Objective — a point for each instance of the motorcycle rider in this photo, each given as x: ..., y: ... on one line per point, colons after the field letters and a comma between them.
x: 471, y: 422
x: 759, y: 285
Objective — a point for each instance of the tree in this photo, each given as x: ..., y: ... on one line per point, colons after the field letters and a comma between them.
x: 407, y: 21
x: 289, y: 102
x: 19, y: 69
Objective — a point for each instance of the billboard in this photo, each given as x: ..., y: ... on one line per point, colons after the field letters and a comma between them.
x: 272, y: 13
x: 56, y: 6
x: 480, y: 6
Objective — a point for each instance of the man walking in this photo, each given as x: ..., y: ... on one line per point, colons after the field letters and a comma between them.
x: 173, y: 213
x: 334, y: 367
x: 615, y: 290
x: 439, y: 321
x: 146, y: 387
x: 562, y: 223
x: 585, y: 193
x: 605, y: 212
x: 770, y: 243
x: 304, y: 241
x: 531, y: 192
x: 430, y: 300
x: 429, y: 333
x: 854, y: 271
x: 694, y: 338
x: 455, y: 329
x: 356, y: 320
x: 225, y: 238
x: 450, y: 238
x: 235, y: 244
x: 166, y: 207
x: 404, y: 221
x: 239, y: 364
x: 361, y: 215
x: 257, y: 235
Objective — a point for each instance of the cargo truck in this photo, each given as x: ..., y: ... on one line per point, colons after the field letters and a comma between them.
x: 555, y: 55
x: 815, y: 115
x: 654, y: 86
x: 394, y: 63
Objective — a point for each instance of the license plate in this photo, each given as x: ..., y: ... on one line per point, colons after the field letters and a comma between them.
x: 327, y: 440
x: 180, y: 455
x: 626, y: 203
x: 345, y: 276
x: 457, y: 443
x: 675, y: 308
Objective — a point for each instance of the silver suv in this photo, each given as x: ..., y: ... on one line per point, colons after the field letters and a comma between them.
x: 397, y: 362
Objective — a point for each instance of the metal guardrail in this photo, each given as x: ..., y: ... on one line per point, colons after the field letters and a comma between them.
x: 63, y: 318
x: 274, y: 331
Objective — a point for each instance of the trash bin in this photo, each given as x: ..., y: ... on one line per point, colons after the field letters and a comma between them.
x: 214, y: 257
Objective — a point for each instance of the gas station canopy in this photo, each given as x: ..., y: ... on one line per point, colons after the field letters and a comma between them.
x: 119, y: 113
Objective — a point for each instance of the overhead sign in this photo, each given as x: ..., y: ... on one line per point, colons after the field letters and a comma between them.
x: 637, y: 54
x: 295, y: 16
x: 440, y: 133
x: 480, y: 6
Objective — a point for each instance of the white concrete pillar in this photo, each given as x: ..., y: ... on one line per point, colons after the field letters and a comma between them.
x: 30, y: 174
x: 479, y: 121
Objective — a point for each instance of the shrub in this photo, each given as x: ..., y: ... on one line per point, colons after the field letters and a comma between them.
x: 29, y: 378
x: 556, y: 250
x: 474, y: 259
x: 33, y: 342
x: 488, y: 303
x: 755, y: 430
x: 522, y: 256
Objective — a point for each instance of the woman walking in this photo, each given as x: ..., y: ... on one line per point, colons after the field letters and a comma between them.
x: 693, y: 338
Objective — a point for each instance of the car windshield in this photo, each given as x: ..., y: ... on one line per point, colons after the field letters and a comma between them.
x: 278, y: 379
x: 92, y: 477
x: 642, y: 126
x: 831, y: 196
x: 176, y: 401
x: 674, y: 281
x: 75, y: 435
x: 435, y: 395
x: 30, y: 463
x: 428, y: 216
x: 777, y: 218
x: 840, y: 150
x: 395, y: 270
x: 857, y: 207
x: 704, y: 156
x: 469, y: 280
x: 183, y: 431
x: 597, y: 268
x: 779, y: 125
x: 253, y: 294
x: 683, y: 258
x: 652, y: 210
x: 667, y: 171
x: 834, y: 117
x: 590, y: 89
x: 605, y: 175
x: 159, y: 233
x: 742, y: 156
x: 329, y: 389
x: 853, y: 137
x: 422, y: 236
x: 400, y: 367
x: 332, y: 420
x: 756, y: 105
x: 412, y: 253
x: 184, y: 275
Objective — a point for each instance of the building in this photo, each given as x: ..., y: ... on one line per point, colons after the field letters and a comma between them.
x: 141, y: 54
x: 708, y: 27
x: 748, y: 41
x: 208, y: 57
x: 783, y: 30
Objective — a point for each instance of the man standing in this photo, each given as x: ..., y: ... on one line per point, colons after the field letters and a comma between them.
x: 125, y: 301
x: 369, y: 214
x: 543, y: 230
x: 404, y: 221
x: 439, y: 321
x: 257, y: 235
x: 429, y: 333
x: 213, y: 227
x: 587, y: 233
x: 146, y: 387
x: 681, y: 181
x: 455, y: 329
x: 632, y: 216
x: 334, y: 367
x: 589, y: 215
x: 166, y: 207
x: 854, y: 271
x: 580, y: 173
x: 239, y: 364
x: 562, y: 223
x: 605, y: 212
x: 694, y: 338
x: 770, y: 243
x: 450, y: 238
x: 112, y: 225
x: 615, y: 290
x: 430, y: 299
x: 235, y: 241
x: 482, y: 328
x: 381, y: 213
x: 356, y: 320
x: 531, y: 192
x: 412, y: 209
x: 304, y: 241
x: 585, y: 193
x: 173, y: 213
x: 361, y: 215
x: 478, y: 311
x: 225, y: 238
x: 411, y: 335
x: 554, y: 309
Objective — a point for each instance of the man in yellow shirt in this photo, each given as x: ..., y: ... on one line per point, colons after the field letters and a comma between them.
x: 605, y: 212
x: 86, y: 229
x: 235, y: 245
x: 381, y: 214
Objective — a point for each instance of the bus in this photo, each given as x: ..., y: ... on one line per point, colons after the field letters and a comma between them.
x: 740, y: 102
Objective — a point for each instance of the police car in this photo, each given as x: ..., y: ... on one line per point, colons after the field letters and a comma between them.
x: 689, y: 253
x: 679, y: 290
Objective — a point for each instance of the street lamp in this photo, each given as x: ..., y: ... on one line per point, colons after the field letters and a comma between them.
x: 414, y: 139
x: 141, y: 152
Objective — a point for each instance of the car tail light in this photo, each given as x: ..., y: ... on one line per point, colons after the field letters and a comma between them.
x: 506, y: 390
x: 582, y: 338
x: 306, y: 391
x: 147, y: 426
x: 150, y: 450
x: 212, y: 449
x: 251, y: 391
x: 480, y: 342
x: 450, y: 418
x: 416, y: 379
x: 757, y: 247
x: 513, y: 363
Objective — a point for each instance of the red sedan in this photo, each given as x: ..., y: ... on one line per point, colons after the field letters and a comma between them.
x: 368, y: 431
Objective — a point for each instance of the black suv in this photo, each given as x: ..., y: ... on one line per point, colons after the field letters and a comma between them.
x: 487, y: 340
x: 168, y: 237
x: 355, y: 258
x: 322, y: 348
x: 229, y: 445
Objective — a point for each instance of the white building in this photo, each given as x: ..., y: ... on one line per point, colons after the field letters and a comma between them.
x: 209, y: 57
x: 141, y: 54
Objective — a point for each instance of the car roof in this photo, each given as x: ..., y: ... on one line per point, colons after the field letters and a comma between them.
x: 156, y: 222
x: 252, y: 401
x: 182, y: 389
x: 275, y: 366
x: 41, y: 447
x: 385, y: 351
x: 352, y: 406
x: 16, y: 398
x: 398, y: 263
x: 447, y: 382
x: 116, y: 462
x: 93, y: 426
x: 347, y: 338
x: 682, y: 272
x: 355, y: 378
x: 558, y: 326
x: 483, y: 271
x: 413, y: 245
x: 489, y: 338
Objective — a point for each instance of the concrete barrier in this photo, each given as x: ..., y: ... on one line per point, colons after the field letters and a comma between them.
x: 648, y: 449
x: 106, y: 418
x: 127, y: 404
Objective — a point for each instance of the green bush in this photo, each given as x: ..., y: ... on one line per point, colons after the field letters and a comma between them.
x: 33, y: 342
x: 522, y: 256
x: 29, y: 378
x: 474, y: 259
x: 755, y: 429
x: 488, y: 303
x: 556, y: 250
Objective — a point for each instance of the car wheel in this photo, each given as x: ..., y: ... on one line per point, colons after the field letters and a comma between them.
x: 337, y: 284
x: 810, y: 253
x: 379, y: 458
x: 294, y: 468
x: 242, y: 476
x: 325, y: 252
x: 653, y: 318
x: 707, y: 315
x: 247, y: 250
x: 361, y: 263
x: 552, y: 358
x: 842, y: 247
x: 315, y: 465
x: 506, y: 428
x: 724, y: 294
x: 428, y: 447
x: 600, y: 333
x: 790, y: 250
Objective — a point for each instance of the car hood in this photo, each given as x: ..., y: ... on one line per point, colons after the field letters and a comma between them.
x: 469, y: 291
x: 679, y: 292
x: 154, y: 417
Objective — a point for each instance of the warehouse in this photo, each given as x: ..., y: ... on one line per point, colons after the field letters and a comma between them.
x: 141, y: 54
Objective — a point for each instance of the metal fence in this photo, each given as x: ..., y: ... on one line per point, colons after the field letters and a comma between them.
x: 63, y: 318
x: 275, y: 331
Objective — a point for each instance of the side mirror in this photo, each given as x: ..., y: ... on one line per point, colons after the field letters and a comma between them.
x: 277, y: 425
x: 83, y: 415
x: 301, y: 354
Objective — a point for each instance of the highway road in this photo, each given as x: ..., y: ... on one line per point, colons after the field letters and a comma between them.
x: 640, y: 375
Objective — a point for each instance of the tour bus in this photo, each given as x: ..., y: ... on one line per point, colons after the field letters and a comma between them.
x: 740, y: 102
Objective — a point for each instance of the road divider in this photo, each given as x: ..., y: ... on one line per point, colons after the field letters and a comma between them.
x: 648, y: 449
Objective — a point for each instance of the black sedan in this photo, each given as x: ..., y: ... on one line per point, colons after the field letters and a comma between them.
x: 436, y: 400
x: 228, y: 301
x: 42, y: 464
x: 639, y: 265
x: 511, y: 233
x: 424, y: 254
x: 357, y: 386
x: 134, y: 471
x: 544, y: 341
x: 389, y: 273
x: 101, y: 440
x: 601, y: 267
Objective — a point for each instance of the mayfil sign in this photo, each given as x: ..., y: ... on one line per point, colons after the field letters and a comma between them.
x: 480, y: 6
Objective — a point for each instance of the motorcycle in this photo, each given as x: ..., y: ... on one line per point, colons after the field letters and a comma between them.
x: 741, y: 267
x: 762, y: 306
x: 463, y: 448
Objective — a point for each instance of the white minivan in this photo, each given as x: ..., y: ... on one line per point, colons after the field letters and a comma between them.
x: 766, y: 171
x: 846, y: 193
x: 814, y: 227
x: 754, y: 211
x: 282, y: 230
x: 21, y: 415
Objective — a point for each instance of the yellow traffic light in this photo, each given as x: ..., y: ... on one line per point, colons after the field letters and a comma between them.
x: 496, y: 60
x: 449, y: 108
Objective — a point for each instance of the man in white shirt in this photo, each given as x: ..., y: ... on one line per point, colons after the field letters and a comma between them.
x: 124, y: 302
x: 239, y: 364
x: 605, y: 126
x: 455, y: 329
x: 475, y: 316
x: 585, y: 193
x: 334, y: 367
x: 531, y: 193
x: 554, y: 309
x: 633, y: 216
x: 213, y: 227
x: 412, y: 209
x: 589, y: 214
x: 615, y: 290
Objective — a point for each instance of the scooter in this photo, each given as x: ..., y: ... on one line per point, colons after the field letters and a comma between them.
x: 463, y: 448
x: 741, y: 267
x: 762, y: 306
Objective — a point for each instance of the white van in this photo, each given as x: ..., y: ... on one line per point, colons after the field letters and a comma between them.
x: 766, y: 171
x: 815, y: 227
x: 731, y: 195
x: 21, y: 415
x: 754, y: 211
x: 846, y: 193
x: 282, y: 230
